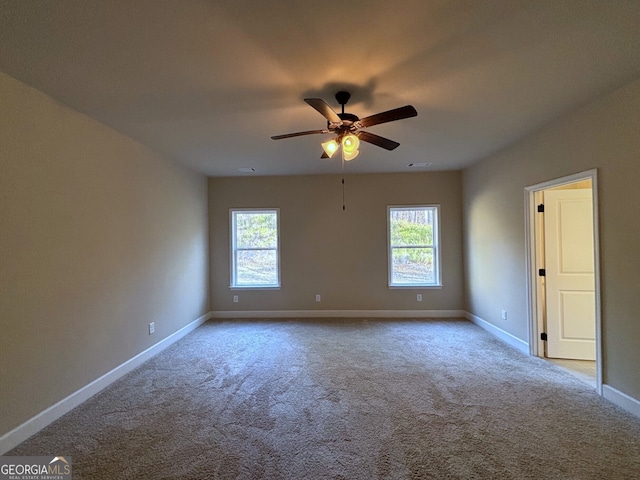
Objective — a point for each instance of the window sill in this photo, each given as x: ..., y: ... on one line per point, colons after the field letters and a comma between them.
x: 415, y: 287
x: 253, y: 287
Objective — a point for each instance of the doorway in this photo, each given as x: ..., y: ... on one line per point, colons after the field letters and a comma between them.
x: 563, y: 271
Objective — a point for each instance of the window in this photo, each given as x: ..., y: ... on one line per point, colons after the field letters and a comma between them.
x: 255, y: 253
x: 414, y: 257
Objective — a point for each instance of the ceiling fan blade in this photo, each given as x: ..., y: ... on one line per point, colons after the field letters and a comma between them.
x: 324, y: 108
x: 298, y: 134
x: 389, y: 116
x: 377, y: 140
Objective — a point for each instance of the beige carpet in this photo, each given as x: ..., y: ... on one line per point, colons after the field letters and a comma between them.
x: 348, y: 399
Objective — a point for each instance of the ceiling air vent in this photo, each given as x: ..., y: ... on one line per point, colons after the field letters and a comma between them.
x: 420, y: 165
x: 247, y: 170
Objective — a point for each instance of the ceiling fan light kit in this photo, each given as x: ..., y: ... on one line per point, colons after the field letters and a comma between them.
x: 348, y: 127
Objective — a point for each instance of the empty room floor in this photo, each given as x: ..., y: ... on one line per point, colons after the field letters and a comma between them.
x: 345, y: 399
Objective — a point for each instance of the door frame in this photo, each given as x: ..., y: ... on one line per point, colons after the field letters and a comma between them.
x: 535, y: 313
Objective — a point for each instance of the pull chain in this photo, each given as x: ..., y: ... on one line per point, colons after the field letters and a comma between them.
x: 344, y: 206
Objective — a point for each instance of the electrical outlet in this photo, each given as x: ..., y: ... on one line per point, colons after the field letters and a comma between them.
x: 317, y: 297
x: 504, y: 314
x: 152, y: 328
x: 235, y: 299
x: 419, y: 297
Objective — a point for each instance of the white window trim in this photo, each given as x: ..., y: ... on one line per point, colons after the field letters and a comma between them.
x: 233, y: 250
x: 436, y: 247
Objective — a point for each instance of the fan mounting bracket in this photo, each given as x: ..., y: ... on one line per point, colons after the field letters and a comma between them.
x: 343, y: 97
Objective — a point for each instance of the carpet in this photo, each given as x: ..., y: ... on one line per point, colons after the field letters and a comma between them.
x: 344, y: 399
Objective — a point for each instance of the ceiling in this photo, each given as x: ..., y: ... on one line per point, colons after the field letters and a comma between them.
x: 208, y: 82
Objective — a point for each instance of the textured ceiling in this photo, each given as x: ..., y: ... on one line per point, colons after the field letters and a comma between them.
x: 208, y: 82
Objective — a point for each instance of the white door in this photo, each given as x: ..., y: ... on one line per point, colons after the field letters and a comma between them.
x: 569, y: 280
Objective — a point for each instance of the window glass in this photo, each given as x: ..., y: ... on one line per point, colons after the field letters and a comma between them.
x: 255, y: 255
x: 413, y: 246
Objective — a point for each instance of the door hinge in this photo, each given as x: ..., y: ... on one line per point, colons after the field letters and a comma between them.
x: 542, y: 272
x: 543, y: 337
x: 541, y: 208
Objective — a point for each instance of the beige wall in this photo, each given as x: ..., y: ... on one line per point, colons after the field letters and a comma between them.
x: 340, y: 255
x: 603, y: 135
x: 98, y: 237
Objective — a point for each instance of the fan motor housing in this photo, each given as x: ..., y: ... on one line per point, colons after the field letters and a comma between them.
x: 349, y: 117
x: 350, y: 123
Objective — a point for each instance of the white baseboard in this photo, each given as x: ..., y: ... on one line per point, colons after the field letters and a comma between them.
x: 506, y: 337
x: 339, y: 314
x: 627, y: 402
x: 19, y: 434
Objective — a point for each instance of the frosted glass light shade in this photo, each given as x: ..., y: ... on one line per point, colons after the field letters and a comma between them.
x: 330, y: 147
x: 350, y: 144
x: 349, y: 155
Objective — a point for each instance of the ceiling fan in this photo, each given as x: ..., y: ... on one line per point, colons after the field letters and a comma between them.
x: 348, y: 128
